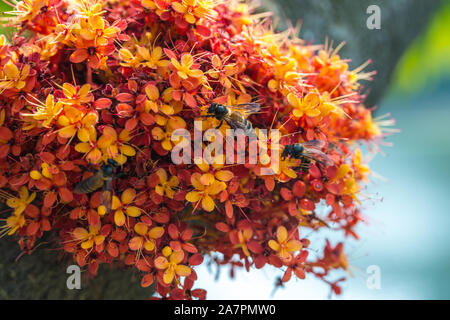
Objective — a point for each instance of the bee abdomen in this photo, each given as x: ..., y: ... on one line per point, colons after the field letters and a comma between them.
x: 90, y: 184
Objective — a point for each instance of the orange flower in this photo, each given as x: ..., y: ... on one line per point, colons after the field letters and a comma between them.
x: 128, y: 59
x: 45, y: 113
x: 146, y: 239
x: 283, y: 246
x: 96, y: 56
x: 194, y: 9
x: 123, y: 206
x: 184, y: 69
x: 166, y: 136
x: 223, y: 72
x: 13, y: 78
x: 36, y: 175
x: 244, y: 237
x: 116, y: 147
x: 90, y: 146
x: 361, y: 170
x: 166, y: 186
x: 159, y: 6
x: 285, y: 75
x: 29, y: 9
x: 13, y: 223
x: 204, y: 193
x: 153, y: 102
x: 73, y: 121
x: 305, y: 106
x: 20, y: 204
x: 172, y: 265
x: 153, y: 59
x: 217, y: 172
x: 88, y: 238
x: 76, y: 95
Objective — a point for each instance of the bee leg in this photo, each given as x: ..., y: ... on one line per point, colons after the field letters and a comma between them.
x: 220, y: 124
x: 84, y: 168
x: 121, y: 175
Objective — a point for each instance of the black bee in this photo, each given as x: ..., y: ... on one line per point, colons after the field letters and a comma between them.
x: 307, y: 151
x: 235, y: 116
x: 102, y: 178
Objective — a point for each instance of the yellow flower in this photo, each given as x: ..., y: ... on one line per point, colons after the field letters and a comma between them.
x: 153, y: 102
x: 218, y: 173
x: 146, y: 239
x: 36, y: 175
x: 222, y: 72
x: 203, y: 192
x: 184, y: 68
x: 152, y: 5
x: 172, y: 265
x: 19, y: 204
x: 128, y: 58
x: 28, y: 9
x: 73, y: 121
x: 244, y: 237
x: 307, y: 105
x: 97, y: 29
x: 116, y: 147
x: 88, y: 238
x: 13, y: 223
x: 123, y: 206
x: 46, y: 113
x: 284, y: 75
x: 283, y: 246
x: 153, y: 59
x: 166, y: 186
x: 361, y: 170
x: 90, y: 146
x: 11, y: 77
x: 166, y: 136
x: 193, y: 9
x: 77, y: 96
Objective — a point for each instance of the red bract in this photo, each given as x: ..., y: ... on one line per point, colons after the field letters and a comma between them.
x: 85, y: 82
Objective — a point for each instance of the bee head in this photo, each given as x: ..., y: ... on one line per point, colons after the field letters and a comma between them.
x: 297, y: 148
x: 112, y: 162
x: 108, y: 170
x: 286, y: 151
x: 108, y: 167
x: 213, y: 107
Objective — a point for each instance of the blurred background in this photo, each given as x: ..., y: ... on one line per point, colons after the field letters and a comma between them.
x: 406, y: 207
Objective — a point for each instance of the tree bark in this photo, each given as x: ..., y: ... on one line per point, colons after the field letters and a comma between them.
x: 346, y: 20
x: 42, y: 276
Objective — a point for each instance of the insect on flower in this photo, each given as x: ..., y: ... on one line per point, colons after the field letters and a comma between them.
x: 102, y: 178
x: 235, y: 116
x: 140, y: 71
x: 307, y: 151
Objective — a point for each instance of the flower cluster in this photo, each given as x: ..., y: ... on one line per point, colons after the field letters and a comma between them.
x: 86, y: 81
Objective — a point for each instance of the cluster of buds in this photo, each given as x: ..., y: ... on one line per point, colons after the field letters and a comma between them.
x: 85, y: 83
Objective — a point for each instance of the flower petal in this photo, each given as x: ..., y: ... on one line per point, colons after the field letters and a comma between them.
x: 208, y: 203
x: 182, y: 271
x: 281, y: 234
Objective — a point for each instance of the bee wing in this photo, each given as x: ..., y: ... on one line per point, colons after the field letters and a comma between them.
x: 107, y: 195
x: 235, y: 121
x: 247, y: 108
x: 314, y: 144
x: 319, y: 156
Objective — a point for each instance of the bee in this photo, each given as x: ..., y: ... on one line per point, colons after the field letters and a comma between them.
x: 102, y: 178
x: 307, y: 151
x: 235, y: 116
